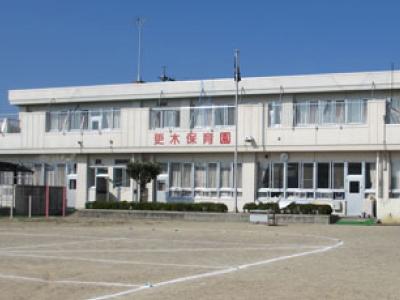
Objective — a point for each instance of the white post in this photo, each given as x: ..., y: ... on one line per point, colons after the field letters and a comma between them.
x: 235, y: 156
x: 30, y: 206
x: 12, y: 203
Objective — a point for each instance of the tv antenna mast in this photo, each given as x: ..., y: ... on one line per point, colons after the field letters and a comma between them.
x: 139, y: 23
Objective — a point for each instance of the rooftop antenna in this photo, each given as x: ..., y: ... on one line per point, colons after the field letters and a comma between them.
x: 164, y: 76
x: 139, y: 23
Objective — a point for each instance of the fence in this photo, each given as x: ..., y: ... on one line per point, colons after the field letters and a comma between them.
x: 32, y: 200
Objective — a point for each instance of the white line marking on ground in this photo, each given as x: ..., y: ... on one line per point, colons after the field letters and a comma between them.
x: 73, y: 282
x: 219, y: 272
x: 169, y: 250
x: 60, y: 244
x: 110, y: 261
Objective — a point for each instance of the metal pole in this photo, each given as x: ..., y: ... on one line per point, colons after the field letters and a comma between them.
x: 30, y: 206
x: 12, y: 203
x: 139, y: 23
x: 235, y: 157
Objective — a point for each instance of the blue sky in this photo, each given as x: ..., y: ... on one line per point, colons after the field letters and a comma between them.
x: 46, y: 43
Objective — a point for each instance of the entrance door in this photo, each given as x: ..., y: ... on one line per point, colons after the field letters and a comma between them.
x: 102, y: 187
x: 161, y: 188
x: 354, y: 195
x: 71, y: 190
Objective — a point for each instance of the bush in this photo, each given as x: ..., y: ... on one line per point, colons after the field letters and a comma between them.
x: 178, y: 206
x: 293, y: 208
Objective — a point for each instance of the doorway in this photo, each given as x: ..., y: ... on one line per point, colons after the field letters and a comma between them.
x: 354, y: 195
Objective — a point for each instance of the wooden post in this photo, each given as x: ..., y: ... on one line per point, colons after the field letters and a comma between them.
x: 64, y: 200
x: 47, y: 200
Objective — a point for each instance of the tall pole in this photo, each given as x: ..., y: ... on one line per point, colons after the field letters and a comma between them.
x: 139, y: 23
x: 235, y: 157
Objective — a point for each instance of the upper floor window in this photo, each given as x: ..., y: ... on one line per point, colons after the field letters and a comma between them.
x: 164, y: 118
x: 393, y: 111
x: 330, y: 112
x: 274, y: 114
x: 9, y: 124
x: 70, y: 120
x: 212, y: 116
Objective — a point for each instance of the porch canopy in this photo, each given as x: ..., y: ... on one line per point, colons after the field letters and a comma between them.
x: 15, y: 168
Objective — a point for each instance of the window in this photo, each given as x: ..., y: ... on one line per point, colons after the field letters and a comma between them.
x: 308, y: 175
x: 354, y: 187
x: 200, y: 175
x: 164, y: 118
x: 274, y: 114
x: 239, y: 176
x: 338, y: 175
x: 370, y: 174
x: 224, y: 116
x: 354, y: 169
x: 323, y: 175
x: 326, y: 110
x: 395, y: 177
x: 211, y: 116
x: 225, y: 175
x: 393, y: 107
x: 187, y: 175
x: 277, y: 172
x: 330, y: 112
x: 355, y: 111
x: 264, y: 177
x: 72, y: 184
x: 201, y: 117
x: 121, y: 177
x: 293, y: 175
x: 82, y: 120
x: 176, y: 175
x: 212, y: 175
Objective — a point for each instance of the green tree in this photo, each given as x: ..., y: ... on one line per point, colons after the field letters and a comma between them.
x: 143, y: 173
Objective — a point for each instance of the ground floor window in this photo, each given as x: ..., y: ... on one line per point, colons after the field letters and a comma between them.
x: 202, y: 179
x: 314, y: 180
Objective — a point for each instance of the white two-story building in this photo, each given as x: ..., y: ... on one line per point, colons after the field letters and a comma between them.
x: 325, y: 138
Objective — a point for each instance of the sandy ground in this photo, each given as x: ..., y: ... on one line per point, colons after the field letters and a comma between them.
x: 93, y: 259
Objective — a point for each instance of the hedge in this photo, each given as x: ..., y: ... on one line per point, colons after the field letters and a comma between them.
x: 199, y: 207
x: 293, y: 208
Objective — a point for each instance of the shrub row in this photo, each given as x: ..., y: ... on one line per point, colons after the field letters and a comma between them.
x: 293, y: 208
x: 202, y: 206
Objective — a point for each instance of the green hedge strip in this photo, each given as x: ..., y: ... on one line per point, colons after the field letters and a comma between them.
x: 199, y: 207
x: 305, y: 209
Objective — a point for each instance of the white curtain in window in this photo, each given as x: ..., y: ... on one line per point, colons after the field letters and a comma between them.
x: 199, y: 175
x: 212, y: 175
x: 116, y: 118
x: 354, y: 111
x: 155, y: 119
x: 107, y: 120
x: 313, y: 113
x: 301, y: 113
x: 60, y: 179
x: 239, y: 176
x: 225, y: 175
x: 339, y: 112
x: 176, y: 178
x: 187, y: 175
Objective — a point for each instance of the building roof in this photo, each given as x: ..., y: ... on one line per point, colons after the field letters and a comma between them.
x: 330, y: 82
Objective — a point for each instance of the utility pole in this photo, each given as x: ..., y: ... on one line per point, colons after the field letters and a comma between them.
x: 139, y: 23
x: 237, y: 78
